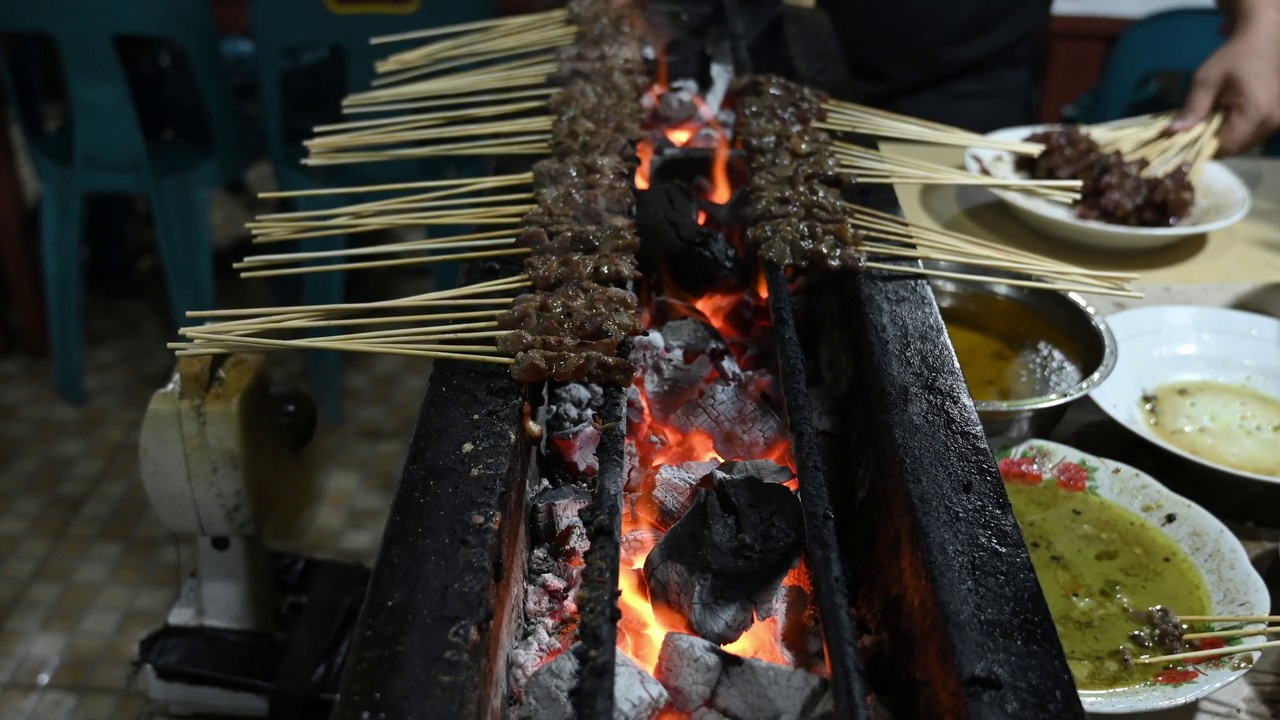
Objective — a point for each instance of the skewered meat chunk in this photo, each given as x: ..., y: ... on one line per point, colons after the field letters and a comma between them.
x: 518, y: 341
x: 782, y: 169
x: 774, y: 92
x: 577, y: 136
x: 804, y: 243
x: 549, y: 271
x: 809, y: 202
x: 576, y: 205
x: 539, y: 365
x: 1115, y: 190
x: 582, y: 310
x: 775, y: 138
x: 619, y: 236
x: 587, y: 172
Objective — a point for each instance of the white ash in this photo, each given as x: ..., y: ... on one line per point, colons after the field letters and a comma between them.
x: 699, y: 468
x: 709, y: 683
x: 673, y: 492
x: 688, y: 667
x: 637, y: 543
x: 636, y: 694
x: 738, y: 420
x: 546, y: 694
x: 756, y: 690
x: 573, y: 405
x: 530, y: 653
x: 722, y: 619
x: 766, y: 470
x: 554, y: 569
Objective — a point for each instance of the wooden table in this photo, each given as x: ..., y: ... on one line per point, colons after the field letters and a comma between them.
x: 1237, y: 267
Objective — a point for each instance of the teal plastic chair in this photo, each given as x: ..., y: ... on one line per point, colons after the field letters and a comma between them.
x: 1177, y: 41
x: 1171, y: 45
x: 328, y: 42
x: 103, y: 148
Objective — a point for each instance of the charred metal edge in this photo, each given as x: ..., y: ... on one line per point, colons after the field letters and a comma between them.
x: 597, y: 598
x: 933, y: 463
x: 849, y: 687
x: 421, y: 644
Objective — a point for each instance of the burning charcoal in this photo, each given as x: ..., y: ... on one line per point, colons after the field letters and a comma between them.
x: 638, y: 543
x: 688, y: 667
x: 739, y: 422
x: 693, y: 337
x: 675, y: 107
x: 763, y: 470
x: 698, y: 468
x: 635, y: 473
x: 578, y: 449
x: 572, y: 405
x: 751, y: 689
x: 695, y: 258
x: 730, y: 550
x: 546, y: 694
x: 636, y: 694
x: 556, y: 509
x: 673, y: 492
x: 706, y: 713
x: 547, y: 598
x: 527, y: 656
x: 671, y: 383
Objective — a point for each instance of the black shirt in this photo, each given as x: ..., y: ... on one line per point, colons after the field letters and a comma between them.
x: 972, y: 63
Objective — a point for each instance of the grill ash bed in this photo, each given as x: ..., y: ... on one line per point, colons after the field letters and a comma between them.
x: 883, y: 573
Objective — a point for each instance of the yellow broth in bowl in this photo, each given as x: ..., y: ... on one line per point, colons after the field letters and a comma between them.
x: 1096, y: 561
x: 1007, y: 351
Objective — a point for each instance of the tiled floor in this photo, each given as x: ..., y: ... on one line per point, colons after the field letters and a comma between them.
x: 86, y: 568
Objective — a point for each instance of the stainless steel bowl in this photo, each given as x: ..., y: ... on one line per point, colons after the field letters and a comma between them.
x: 1066, y: 316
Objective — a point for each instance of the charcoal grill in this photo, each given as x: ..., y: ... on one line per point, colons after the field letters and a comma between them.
x: 918, y: 567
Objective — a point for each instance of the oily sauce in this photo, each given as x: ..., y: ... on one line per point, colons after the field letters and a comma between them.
x: 1013, y: 362
x: 1225, y: 424
x: 1095, y: 560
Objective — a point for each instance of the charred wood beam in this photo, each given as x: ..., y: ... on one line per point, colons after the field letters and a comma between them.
x: 849, y: 691
x: 942, y: 581
x: 423, y: 646
x: 598, y: 596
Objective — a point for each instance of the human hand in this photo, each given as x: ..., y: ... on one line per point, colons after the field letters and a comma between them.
x: 1243, y: 79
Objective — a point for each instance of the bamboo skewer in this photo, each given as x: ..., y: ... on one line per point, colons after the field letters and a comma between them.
x: 447, y: 101
x: 257, y: 261
x: 391, y: 187
x: 462, y: 27
x: 370, y: 264
x: 383, y: 249
x: 259, y: 343
x: 1275, y: 630
x: 1230, y: 618
x: 1203, y: 654
x: 967, y: 277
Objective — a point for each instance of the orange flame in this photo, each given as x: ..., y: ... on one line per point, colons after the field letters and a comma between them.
x: 644, y: 151
x: 721, y: 189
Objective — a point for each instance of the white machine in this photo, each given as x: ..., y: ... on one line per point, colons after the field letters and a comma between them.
x: 220, y: 457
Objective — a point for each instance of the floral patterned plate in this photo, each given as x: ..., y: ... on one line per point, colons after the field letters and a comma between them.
x: 1235, y: 587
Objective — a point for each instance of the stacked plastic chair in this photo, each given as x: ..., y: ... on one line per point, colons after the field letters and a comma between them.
x: 102, y: 148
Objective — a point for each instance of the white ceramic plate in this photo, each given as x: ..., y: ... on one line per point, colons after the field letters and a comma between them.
x: 1177, y: 343
x: 1235, y: 587
x: 1222, y: 199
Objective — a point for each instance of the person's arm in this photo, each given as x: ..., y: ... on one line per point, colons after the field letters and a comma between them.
x: 1242, y: 77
